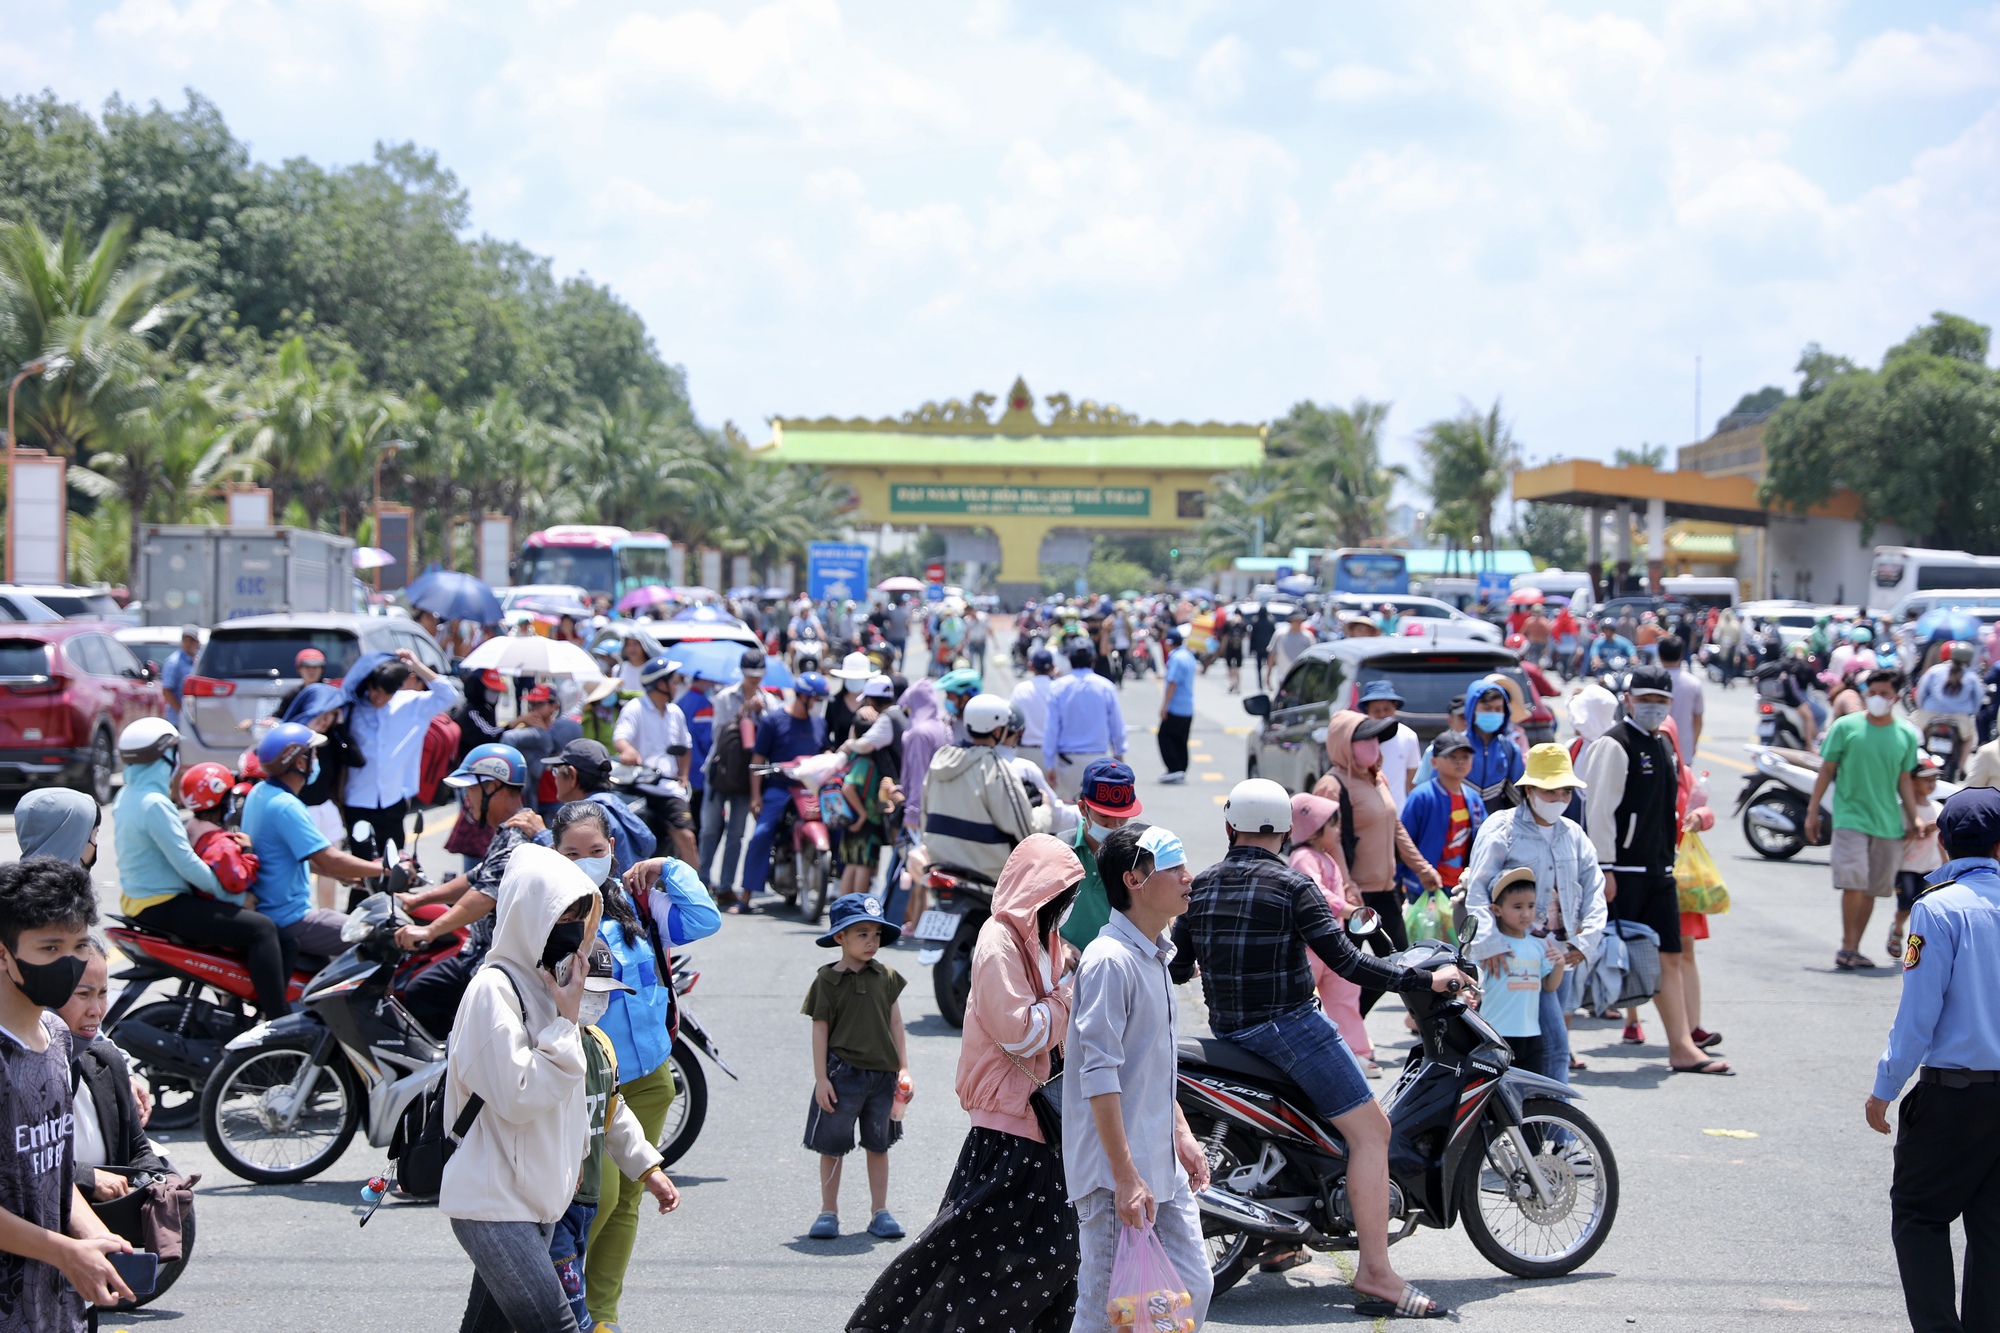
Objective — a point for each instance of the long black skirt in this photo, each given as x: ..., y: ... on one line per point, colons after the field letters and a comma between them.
x: 1000, y: 1254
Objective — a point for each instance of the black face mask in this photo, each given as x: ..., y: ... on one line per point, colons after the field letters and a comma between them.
x: 565, y: 938
x: 50, y: 984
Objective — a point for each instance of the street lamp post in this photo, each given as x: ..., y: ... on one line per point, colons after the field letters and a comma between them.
x: 388, y: 447
x: 35, y: 367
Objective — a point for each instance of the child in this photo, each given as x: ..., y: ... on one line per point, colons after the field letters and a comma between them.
x: 861, y: 787
x: 204, y: 788
x: 860, y: 1059
x: 1920, y: 855
x: 1511, y: 999
x: 1443, y: 815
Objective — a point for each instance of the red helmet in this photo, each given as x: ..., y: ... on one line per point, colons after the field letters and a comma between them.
x: 247, y: 765
x: 205, y: 786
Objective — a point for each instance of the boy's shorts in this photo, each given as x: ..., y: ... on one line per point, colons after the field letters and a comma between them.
x: 861, y: 1098
x: 1909, y: 884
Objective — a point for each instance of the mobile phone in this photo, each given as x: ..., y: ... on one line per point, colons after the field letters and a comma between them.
x: 140, y: 1269
x: 561, y: 970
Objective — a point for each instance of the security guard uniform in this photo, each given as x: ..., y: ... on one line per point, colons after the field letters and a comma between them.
x: 1947, y: 1032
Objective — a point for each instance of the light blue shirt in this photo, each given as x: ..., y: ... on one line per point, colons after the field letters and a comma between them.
x: 1934, y: 691
x: 1181, y: 666
x: 391, y: 739
x: 1123, y: 1022
x: 173, y: 674
x: 1951, y: 972
x: 284, y: 837
x: 1084, y: 718
x: 154, y: 856
x: 1510, y: 992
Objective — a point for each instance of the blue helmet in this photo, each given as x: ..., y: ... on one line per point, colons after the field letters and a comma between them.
x: 284, y: 743
x: 491, y: 762
x: 811, y: 684
x: 657, y: 669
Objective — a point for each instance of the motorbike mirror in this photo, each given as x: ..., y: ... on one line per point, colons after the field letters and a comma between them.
x: 362, y: 833
x: 1363, y: 921
x: 1468, y: 932
x: 1319, y: 735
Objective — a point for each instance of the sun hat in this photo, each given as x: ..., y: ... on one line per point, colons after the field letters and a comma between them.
x: 1380, y: 689
x: 851, y: 909
x: 1548, y: 768
x: 1374, y: 728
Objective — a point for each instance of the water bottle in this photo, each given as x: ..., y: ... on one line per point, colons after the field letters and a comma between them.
x: 904, y: 1089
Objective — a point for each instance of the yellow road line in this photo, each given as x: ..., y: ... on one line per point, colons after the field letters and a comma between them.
x: 1715, y: 758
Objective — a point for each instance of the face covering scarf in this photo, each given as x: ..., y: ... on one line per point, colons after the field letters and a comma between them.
x: 1366, y: 753
x: 565, y: 938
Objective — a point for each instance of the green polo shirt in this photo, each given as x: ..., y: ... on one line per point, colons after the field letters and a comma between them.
x: 1092, y: 910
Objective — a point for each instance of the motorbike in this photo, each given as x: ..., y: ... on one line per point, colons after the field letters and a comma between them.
x: 1772, y: 801
x: 805, y: 655
x: 1943, y: 743
x: 1471, y: 1138
x: 947, y: 931
x: 802, y: 878
x: 288, y: 1095
x: 690, y: 1104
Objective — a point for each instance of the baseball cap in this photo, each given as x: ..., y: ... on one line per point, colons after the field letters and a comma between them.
x: 1042, y: 660
x: 878, y: 686
x: 1374, y: 728
x: 1109, y: 787
x: 1449, y: 742
x: 752, y: 661
x: 1650, y: 680
x: 590, y: 759
x: 1971, y: 818
x: 540, y: 694
x: 603, y: 974
x: 306, y: 657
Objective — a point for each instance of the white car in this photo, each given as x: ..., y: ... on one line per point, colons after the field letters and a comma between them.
x: 1441, y: 620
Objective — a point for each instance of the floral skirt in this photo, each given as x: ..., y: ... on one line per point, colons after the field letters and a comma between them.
x: 1000, y: 1254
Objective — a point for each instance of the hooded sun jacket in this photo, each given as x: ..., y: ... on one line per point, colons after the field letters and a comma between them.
x: 519, y: 1161
x: 1496, y: 759
x: 975, y: 809
x: 1017, y: 1001
x: 1380, y: 838
x: 155, y: 859
x: 55, y: 821
x: 929, y: 732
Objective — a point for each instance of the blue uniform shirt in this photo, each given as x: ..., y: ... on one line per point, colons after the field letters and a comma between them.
x: 1084, y: 718
x: 1181, y: 667
x: 1951, y: 972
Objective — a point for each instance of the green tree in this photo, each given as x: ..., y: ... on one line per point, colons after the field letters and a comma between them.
x: 1646, y: 455
x: 1469, y: 463
x: 1552, y: 534
x: 164, y: 460
x: 1333, y: 457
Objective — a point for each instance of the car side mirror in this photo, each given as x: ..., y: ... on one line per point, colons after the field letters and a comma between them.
x: 1257, y: 705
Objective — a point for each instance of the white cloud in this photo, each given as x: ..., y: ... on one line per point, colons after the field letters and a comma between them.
x: 1218, y: 75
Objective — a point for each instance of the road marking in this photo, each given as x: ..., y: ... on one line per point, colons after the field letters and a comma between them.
x: 1715, y: 758
x: 1211, y: 777
x: 1236, y: 731
x: 1222, y: 800
x: 1731, y: 1133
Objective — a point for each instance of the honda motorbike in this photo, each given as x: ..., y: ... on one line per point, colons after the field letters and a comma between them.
x: 1772, y: 801
x: 802, y: 877
x: 1471, y: 1138
x: 690, y: 1104
x: 946, y: 932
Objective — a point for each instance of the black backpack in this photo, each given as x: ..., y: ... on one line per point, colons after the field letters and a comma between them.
x: 420, y: 1147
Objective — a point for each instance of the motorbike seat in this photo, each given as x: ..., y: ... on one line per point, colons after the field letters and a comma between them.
x: 1234, y: 1059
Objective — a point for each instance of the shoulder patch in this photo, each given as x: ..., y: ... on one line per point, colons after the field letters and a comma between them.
x: 1913, y: 951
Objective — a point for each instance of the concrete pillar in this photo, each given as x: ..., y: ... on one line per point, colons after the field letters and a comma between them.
x: 1656, y: 543
x: 1593, y: 536
x: 1622, y: 517
x: 1020, y: 556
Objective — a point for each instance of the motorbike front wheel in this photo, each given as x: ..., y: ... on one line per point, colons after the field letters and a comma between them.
x: 690, y: 1104
x: 243, y: 1114
x: 815, y: 867
x: 1505, y: 1217
x: 1775, y: 844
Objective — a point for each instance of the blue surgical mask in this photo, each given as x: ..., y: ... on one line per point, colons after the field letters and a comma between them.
x: 312, y: 774
x: 1489, y: 722
x: 595, y: 868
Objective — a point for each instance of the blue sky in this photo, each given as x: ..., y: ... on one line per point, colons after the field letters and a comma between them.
x: 1196, y: 210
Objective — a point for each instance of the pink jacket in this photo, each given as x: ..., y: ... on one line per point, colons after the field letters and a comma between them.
x: 1011, y: 1003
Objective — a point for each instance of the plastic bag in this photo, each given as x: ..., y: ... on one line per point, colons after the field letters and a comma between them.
x: 1147, y: 1293
x: 1699, y: 878
x: 1429, y: 918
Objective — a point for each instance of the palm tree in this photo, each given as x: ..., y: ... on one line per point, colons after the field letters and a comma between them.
x: 1335, y: 455
x: 164, y: 459
x: 102, y: 318
x: 1470, y: 462
x: 313, y: 434
x: 1247, y: 503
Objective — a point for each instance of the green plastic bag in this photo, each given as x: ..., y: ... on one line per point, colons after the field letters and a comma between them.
x: 1429, y: 918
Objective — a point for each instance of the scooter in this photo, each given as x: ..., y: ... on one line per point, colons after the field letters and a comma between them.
x: 1943, y: 743
x: 1772, y: 801
x: 1471, y: 1138
x: 947, y: 931
x: 690, y: 1104
x: 802, y: 878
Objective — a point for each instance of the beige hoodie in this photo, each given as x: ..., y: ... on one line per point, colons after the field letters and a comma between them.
x: 1380, y: 838
x: 519, y: 1161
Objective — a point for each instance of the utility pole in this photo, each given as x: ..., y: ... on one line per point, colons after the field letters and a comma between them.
x: 1697, y: 399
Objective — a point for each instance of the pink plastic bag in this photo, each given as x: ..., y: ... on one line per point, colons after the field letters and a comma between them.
x: 1147, y: 1294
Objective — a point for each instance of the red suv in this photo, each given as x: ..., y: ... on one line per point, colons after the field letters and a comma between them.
x: 66, y: 690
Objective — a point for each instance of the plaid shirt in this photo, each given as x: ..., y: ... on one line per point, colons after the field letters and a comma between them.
x: 1249, y: 924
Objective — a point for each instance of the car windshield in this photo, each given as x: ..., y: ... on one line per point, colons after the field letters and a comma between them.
x: 23, y: 657
x: 71, y: 605
x: 240, y: 653
x: 1429, y: 684
x: 594, y: 568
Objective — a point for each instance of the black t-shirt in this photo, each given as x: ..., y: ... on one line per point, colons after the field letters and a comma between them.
x: 35, y: 1180
x: 486, y: 877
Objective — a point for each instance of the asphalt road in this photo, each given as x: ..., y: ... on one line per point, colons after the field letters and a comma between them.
x: 1748, y: 1202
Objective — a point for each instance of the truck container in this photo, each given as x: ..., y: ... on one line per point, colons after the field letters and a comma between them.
x: 203, y: 575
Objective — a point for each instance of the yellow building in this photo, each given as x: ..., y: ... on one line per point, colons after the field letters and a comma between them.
x: 1035, y: 485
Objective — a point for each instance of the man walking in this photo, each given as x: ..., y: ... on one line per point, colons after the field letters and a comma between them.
x: 1867, y: 760
x: 653, y: 732
x: 1262, y: 629
x: 1688, y: 701
x: 1177, y: 709
x: 726, y: 775
x: 1085, y: 724
x: 1031, y: 696
x: 177, y: 668
x: 1946, y: 1032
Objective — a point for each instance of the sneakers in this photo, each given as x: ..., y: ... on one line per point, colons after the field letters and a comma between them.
x: 1703, y: 1038
x: 1173, y: 779
x: 1634, y: 1035
x: 825, y: 1227
x: 884, y: 1226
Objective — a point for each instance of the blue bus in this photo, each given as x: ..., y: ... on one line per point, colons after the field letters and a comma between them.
x: 1356, y: 569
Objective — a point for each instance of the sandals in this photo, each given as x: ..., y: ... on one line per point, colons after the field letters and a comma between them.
x: 1412, y: 1304
x: 1847, y: 960
x: 1894, y: 943
x: 1634, y: 1035
x: 1576, y: 1063
x: 1705, y: 1067
x: 1285, y: 1263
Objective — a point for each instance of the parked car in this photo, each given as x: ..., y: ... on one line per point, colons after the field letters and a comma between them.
x: 67, y: 688
x: 73, y: 602
x: 16, y: 605
x: 1452, y: 623
x: 153, y: 644
x: 248, y: 666
x: 1287, y: 742
x: 1794, y: 620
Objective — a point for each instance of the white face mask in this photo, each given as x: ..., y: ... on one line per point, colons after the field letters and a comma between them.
x: 594, y: 867
x: 591, y: 1007
x: 1549, y: 809
x: 1878, y: 706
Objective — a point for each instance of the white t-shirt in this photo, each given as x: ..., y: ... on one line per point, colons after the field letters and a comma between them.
x: 1400, y: 753
x: 1032, y: 697
x: 1687, y: 706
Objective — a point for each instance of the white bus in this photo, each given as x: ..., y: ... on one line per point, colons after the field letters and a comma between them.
x: 1902, y: 570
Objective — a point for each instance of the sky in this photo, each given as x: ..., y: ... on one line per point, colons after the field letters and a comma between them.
x: 1196, y: 210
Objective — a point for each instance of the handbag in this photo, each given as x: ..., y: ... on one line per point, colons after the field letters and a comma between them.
x: 1046, y: 1100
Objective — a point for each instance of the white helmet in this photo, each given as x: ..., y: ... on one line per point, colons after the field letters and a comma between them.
x: 1259, y: 805
x: 146, y: 740
x: 986, y: 713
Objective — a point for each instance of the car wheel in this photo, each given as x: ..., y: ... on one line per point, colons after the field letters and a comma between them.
x: 95, y: 781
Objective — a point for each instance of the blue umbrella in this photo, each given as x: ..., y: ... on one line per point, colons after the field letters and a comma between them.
x: 776, y: 675
x: 715, y: 660
x: 747, y: 590
x: 1947, y: 622
x: 450, y: 595
x: 1297, y: 584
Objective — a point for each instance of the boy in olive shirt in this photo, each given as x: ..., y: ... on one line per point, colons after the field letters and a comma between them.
x: 861, y: 1060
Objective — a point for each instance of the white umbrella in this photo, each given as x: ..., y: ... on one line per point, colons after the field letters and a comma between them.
x: 533, y: 655
x: 372, y: 557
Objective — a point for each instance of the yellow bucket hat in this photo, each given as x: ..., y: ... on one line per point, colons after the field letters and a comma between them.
x: 1548, y: 768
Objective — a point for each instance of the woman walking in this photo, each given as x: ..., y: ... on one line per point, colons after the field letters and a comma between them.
x: 1002, y: 1251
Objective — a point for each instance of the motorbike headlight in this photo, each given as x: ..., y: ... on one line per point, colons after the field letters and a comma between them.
x: 356, y: 929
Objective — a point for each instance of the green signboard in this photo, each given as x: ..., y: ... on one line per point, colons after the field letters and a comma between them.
x: 1061, y: 501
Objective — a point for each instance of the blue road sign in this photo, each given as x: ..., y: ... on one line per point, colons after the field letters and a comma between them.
x: 836, y: 570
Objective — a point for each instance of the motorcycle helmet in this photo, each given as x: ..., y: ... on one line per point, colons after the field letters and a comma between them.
x: 147, y: 740
x: 656, y: 669
x: 247, y: 766
x: 962, y: 681
x: 206, y: 786
x: 986, y: 714
x: 491, y: 762
x: 1960, y: 653
x: 812, y: 685
x: 284, y: 744
x: 1259, y: 805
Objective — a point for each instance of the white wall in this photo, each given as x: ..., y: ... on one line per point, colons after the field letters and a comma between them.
x: 1820, y: 559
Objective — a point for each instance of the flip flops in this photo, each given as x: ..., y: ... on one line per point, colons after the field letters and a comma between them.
x: 1412, y: 1304
x: 1705, y: 1067
x: 1847, y: 960
x: 1285, y: 1263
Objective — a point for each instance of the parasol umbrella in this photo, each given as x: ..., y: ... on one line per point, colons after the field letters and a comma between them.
x: 650, y: 595
x: 372, y: 557
x: 750, y: 590
x: 533, y: 655
x: 450, y: 595
x: 900, y: 583
x: 1525, y: 597
x: 777, y: 676
x: 775, y: 594
x: 1948, y: 622
x: 705, y: 615
x: 553, y: 606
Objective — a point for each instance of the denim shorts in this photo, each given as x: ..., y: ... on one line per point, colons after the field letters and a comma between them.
x: 862, y: 1099
x: 1306, y: 1045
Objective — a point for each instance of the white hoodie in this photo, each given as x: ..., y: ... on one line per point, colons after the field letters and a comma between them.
x: 519, y: 1161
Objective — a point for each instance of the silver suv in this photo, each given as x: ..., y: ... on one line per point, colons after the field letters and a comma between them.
x: 248, y: 666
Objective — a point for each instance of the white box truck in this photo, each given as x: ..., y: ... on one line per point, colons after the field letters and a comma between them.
x: 203, y: 575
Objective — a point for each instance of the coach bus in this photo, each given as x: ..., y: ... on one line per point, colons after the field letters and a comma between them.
x: 1902, y: 570
x: 1356, y: 569
x: 606, y: 560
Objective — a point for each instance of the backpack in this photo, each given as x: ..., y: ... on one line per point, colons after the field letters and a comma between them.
x: 729, y: 761
x: 419, y: 1148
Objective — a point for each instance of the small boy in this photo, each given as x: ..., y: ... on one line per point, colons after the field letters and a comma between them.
x: 52, y: 1254
x: 205, y: 789
x: 860, y: 1058
x: 1511, y: 998
x: 1921, y: 855
x: 1443, y: 815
